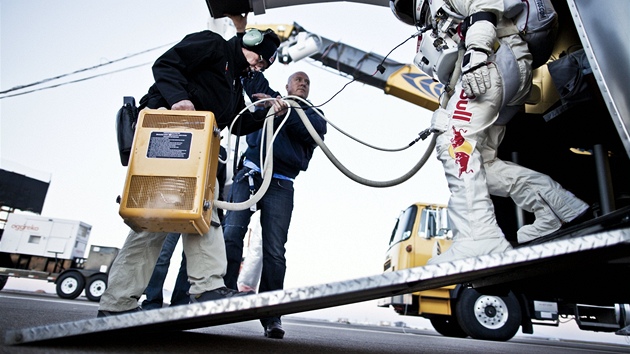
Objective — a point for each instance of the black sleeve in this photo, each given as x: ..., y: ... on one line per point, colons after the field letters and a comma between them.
x: 296, y: 127
x: 249, y: 122
x: 171, y: 68
x: 258, y: 83
x: 221, y: 174
x: 221, y: 177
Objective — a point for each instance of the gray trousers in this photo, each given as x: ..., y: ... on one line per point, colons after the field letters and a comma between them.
x: 131, y: 271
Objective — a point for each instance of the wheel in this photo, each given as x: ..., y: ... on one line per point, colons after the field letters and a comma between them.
x: 3, y: 281
x: 448, y: 326
x: 95, y: 287
x: 489, y: 317
x: 70, y: 285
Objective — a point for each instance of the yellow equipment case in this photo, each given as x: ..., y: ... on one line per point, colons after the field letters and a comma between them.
x: 170, y: 182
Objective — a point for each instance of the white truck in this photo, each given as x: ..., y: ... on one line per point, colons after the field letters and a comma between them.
x: 52, y: 249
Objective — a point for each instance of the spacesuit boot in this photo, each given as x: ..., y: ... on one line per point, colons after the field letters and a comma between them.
x: 536, y: 193
x: 550, y: 217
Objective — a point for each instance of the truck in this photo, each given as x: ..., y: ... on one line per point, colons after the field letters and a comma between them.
x: 422, y: 231
x: 53, y: 249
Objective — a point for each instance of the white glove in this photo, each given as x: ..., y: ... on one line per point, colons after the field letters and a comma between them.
x: 475, y: 74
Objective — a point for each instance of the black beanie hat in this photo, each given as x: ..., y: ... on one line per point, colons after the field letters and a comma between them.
x: 268, y: 47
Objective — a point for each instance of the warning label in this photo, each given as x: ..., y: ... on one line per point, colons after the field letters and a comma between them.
x: 165, y: 145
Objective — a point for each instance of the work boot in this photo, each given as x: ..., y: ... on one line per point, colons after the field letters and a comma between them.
x: 103, y: 313
x: 274, y: 330
x: 151, y: 305
x: 216, y: 294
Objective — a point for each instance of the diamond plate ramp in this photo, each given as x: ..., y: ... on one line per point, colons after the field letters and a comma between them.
x: 485, y: 270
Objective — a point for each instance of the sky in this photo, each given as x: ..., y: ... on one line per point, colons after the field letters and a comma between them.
x: 66, y: 134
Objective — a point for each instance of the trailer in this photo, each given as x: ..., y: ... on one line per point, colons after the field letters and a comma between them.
x: 53, y: 249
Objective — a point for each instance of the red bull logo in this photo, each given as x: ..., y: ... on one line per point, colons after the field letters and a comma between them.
x: 460, y: 149
x: 460, y: 111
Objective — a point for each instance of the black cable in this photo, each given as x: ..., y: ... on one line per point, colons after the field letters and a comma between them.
x: 80, y: 70
x: 74, y: 81
x: 379, y: 68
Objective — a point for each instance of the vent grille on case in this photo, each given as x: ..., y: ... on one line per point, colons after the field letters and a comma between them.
x: 156, y: 192
x: 165, y: 121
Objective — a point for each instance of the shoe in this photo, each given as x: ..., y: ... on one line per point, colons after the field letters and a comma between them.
x: 216, y: 294
x: 274, y: 330
x: 149, y: 305
x: 103, y: 313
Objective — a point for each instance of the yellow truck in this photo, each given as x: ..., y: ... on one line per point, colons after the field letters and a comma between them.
x: 494, y: 312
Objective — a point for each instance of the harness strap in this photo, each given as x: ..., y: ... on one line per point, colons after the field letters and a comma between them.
x: 478, y: 16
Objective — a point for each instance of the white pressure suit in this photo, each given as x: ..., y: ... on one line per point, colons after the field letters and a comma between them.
x: 473, y: 128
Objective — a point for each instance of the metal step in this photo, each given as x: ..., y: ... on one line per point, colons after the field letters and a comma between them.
x: 484, y: 270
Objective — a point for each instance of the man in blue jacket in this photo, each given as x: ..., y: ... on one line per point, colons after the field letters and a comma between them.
x: 292, y: 151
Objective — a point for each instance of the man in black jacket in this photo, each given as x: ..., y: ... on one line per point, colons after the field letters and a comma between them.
x: 202, y: 72
x: 292, y: 150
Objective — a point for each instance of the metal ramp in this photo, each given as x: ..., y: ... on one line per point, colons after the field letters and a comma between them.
x: 480, y: 271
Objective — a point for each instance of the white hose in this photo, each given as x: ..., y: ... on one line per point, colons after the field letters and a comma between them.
x: 268, y: 130
x: 267, y: 166
x: 343, y: 169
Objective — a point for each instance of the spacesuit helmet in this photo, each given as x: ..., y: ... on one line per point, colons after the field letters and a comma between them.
x: 415, y: 12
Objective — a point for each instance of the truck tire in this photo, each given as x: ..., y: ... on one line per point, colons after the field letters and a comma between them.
x: 70, y: 285
x: 3, y: 281
x: 95, y: 287
x: 448, y: 326
x: 490, y: 317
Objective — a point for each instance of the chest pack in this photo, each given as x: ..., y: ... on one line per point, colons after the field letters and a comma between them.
x: 536, y: 21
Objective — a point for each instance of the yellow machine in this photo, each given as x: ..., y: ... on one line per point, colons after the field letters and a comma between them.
x: 170, y: 182
x: 421, y: 232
